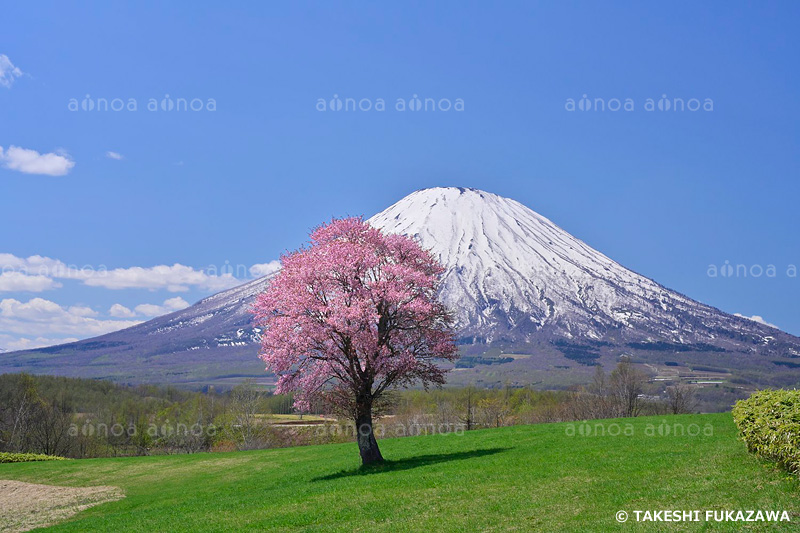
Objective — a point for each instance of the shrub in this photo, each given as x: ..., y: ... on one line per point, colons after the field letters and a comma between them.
x: 6, y: 457
x: 769, y: 422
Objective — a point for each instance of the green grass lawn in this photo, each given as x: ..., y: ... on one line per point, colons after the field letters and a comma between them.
x: 542, y: 477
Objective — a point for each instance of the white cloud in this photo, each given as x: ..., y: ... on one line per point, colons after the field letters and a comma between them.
x: 79, y: 310
x: 114, y: 155
x: 35, y: 264
x: 39, y: 322
x: 40, y: 317
x: 265, y: 269
x: 120, y: 311
x: 174, y: 278
x: 170, y: 305
x: 19, y: 281
x: 757, y: 318
x: 32, y: 162
x: 8, y: 72
x: 10, y: 343
x: 35, y: 309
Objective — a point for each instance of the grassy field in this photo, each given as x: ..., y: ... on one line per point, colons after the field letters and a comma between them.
x: 549, y: 477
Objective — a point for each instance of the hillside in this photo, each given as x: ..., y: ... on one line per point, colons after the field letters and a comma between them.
x: 545, y: 477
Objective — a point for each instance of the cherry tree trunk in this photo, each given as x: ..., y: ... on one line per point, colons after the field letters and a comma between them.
x: 367, y: 444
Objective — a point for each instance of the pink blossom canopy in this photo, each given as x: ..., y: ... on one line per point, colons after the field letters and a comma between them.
x: 354, y: 313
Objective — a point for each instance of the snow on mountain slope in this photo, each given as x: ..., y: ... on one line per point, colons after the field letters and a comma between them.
x: 513, y: 274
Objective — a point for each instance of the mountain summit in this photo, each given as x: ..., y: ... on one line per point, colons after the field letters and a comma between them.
x: 514, y: 275
x: 526, y: 295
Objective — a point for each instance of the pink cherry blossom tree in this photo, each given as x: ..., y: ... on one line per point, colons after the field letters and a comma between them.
x: 351, y: 317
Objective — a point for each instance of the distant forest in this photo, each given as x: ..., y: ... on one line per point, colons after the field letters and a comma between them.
x: 83, y: 418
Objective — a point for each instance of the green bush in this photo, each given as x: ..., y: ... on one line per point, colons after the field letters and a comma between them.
x: 6, y: 457
x: 769, y: 422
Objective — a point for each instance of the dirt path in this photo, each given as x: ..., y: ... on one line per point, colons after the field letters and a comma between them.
x: 25, y: 506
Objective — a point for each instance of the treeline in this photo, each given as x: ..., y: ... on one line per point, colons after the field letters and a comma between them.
x: 624, y: 392
x: 87, y: 418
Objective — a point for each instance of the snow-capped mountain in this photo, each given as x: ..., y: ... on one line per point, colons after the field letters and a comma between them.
x: 513, y: 274
x: 516, y: 282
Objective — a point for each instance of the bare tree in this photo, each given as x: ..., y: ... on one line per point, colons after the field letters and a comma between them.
x: 244, y: 407
x: 627, y: 384
x: 494, y: 410
x: 20, y: 415
x: 50, y: 429
x: 467, y: 409
x: 599, y: 385
x: 602, y: 401
x: 681, y: 399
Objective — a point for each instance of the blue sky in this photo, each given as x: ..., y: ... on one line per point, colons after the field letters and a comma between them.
x: 665, y: 193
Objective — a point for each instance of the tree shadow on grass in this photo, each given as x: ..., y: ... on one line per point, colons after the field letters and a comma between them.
x: 411, y: 462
